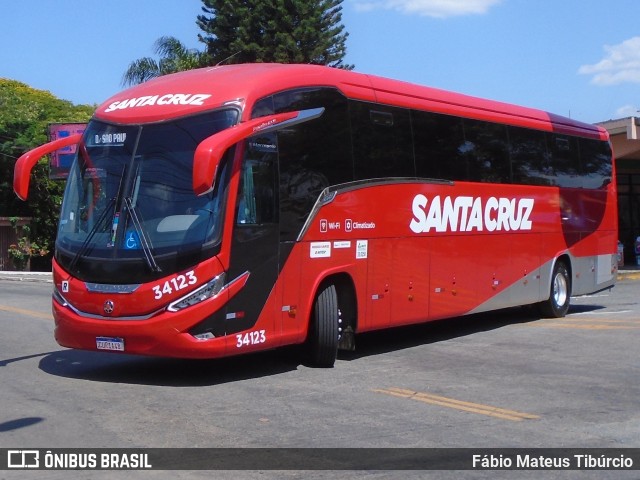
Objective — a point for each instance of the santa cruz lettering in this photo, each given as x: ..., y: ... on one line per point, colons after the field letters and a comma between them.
x: 167, y: 99
x: 466, y: 214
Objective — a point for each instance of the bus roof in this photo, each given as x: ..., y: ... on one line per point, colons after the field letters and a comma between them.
x: 203, y: 89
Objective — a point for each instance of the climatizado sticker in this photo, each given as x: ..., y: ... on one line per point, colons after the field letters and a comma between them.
x: 464, y: 214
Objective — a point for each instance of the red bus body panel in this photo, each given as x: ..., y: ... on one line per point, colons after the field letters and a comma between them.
x: 401, y: 277
x: 414, y: 250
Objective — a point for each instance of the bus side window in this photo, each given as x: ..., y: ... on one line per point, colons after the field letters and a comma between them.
x: 382, y: 141
x: 595, y: 158
x: 256, y: 197
x: 439, y: 146
x: 487, y: 151
x: 565, y: 160
x: 312, y: 155
x: 530, y: 160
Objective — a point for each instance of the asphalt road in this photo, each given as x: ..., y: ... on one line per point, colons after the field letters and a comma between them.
x: 505, y: 379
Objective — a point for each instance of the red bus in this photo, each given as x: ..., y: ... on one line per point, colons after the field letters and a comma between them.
x: 246, y: 207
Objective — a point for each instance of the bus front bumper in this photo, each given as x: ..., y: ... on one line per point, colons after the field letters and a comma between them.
x: 166, y: 334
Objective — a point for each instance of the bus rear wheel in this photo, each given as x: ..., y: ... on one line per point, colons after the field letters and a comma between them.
x: 324, y: 333
x: 560, y: 293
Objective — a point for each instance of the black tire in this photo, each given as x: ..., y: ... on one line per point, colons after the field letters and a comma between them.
x: 324, y: 329
x: 557, y: 305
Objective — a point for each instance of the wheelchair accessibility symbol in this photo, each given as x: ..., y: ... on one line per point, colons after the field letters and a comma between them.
x: 132, y: 241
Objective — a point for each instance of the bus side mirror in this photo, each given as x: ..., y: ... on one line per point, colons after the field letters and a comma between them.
x: 24, y: 165
x: 210, y: 151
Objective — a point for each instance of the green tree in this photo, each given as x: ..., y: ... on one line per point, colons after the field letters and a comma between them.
x: 282, y: 31
x: 25, y: 114
x: 174, y: 57
x: 248, y: 31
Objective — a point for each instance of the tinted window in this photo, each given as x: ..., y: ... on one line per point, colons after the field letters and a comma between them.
x: 386, y: 140
x: 595, y: 157
x: 382, y: 141
x: 565, y: 160
x: 312, y: 155
x: 257, y: 194
x: 531, y: 164
x: 130, y: 200
x: 439, y: 146
x: 486, y: 150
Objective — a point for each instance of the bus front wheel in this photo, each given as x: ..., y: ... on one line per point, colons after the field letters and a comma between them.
x: 560, y: 293
x: 324, y: 329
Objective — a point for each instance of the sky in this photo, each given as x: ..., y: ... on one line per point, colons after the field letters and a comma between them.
x: 577, y: 58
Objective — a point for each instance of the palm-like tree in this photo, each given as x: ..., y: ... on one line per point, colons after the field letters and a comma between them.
x: 174, y: 57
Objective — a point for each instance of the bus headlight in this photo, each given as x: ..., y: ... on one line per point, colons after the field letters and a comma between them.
x: 206, y: 291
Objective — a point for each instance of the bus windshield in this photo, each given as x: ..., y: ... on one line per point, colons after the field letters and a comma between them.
x: 129, y: 204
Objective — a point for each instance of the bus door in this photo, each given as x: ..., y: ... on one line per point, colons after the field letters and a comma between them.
x: 255, y: 242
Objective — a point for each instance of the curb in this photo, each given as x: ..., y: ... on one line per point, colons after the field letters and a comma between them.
x: 629, y: 275
x: 39, y: 277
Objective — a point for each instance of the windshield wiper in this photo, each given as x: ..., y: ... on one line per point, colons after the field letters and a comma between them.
x: 83, y: 248
x: 144, y: 241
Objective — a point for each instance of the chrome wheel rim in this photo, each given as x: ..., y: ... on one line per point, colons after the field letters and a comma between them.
x: 560, y: 290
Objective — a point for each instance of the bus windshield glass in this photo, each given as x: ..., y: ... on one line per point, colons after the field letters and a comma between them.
x: 129, y: 204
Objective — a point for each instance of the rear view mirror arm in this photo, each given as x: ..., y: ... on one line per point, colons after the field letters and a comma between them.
x: 26, y: 162
x: 210, y: 151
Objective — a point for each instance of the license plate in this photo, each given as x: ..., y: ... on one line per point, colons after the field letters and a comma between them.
x: 110, y: 343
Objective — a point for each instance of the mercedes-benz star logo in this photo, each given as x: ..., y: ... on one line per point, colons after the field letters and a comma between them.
x: 108, y: 307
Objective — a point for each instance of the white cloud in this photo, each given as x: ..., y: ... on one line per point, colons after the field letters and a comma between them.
x: 627, y: 111
x: 429, y: 8
x: 621, y: 64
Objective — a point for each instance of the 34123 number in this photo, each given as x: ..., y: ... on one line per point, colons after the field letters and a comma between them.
x: 251, y: 338
x: 174, y: 284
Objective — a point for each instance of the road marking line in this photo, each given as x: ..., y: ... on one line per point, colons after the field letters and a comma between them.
x: 630, y: 276
x: 22, y: 311
x: 609, y: 312
x: 603, y: 324
x: 580, y: 319
x: 458, y: 404
x: 591, y: 296
x: 593, y: 326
